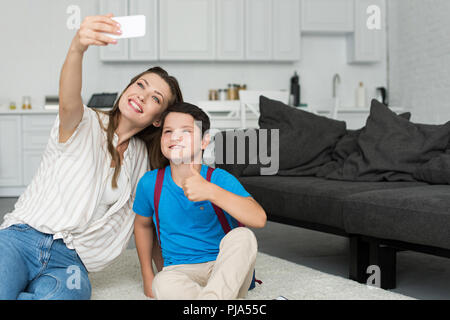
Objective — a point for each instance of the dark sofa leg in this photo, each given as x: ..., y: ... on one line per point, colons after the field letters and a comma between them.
x: 359, y: 259
x: 386, y: 259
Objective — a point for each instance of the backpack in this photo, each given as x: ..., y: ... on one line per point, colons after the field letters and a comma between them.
x: 219, y: 212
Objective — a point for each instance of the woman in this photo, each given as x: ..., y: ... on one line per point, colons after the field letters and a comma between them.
x: 76, y: 215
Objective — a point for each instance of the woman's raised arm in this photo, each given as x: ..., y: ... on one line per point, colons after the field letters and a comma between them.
x: 70, y: 101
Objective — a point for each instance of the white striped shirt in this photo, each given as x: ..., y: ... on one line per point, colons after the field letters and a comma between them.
x: 68, y: 187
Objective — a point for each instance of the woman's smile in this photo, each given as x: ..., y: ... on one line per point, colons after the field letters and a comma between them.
x: 135, y: 106
x: 176, y: 146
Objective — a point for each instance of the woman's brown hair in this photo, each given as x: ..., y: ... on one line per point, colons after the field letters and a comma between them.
x: 151, y: 134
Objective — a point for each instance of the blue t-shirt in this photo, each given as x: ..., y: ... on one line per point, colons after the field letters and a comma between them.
x: 190, y: 231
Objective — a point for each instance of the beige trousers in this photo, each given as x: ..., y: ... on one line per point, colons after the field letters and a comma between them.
x: 226, y: 278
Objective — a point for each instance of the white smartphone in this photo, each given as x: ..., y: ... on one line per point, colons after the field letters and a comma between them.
x: 131, y: 26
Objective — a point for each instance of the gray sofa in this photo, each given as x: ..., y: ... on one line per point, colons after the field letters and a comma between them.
x: 379, y: 217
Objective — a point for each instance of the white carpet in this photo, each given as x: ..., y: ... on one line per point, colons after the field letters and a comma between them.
x: 122, y: 281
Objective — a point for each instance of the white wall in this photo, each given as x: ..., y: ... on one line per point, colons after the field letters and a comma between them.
x: 419, y: 66
x: 33, y: 53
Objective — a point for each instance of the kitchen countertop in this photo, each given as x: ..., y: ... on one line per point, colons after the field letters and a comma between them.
x: 356, y: 110
x: 227, y: 104
x: 20, y: 111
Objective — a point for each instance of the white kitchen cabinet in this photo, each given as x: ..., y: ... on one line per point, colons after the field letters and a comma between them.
x: 145, y: 48
x: 327, y: 16
x: 208, y: 30
x: 119, y: 51
x: 23, y: 139
x: 365, y: 45
x: 35, y: 134
x: 272, y: 30
x: 36, y: 131
x: 33, y: 160
x: 230, y: 30
x: 286, y: 30
x: 134, y: 49
x: 187, y: 30
x: 10, y: 151
x: 259, y: 30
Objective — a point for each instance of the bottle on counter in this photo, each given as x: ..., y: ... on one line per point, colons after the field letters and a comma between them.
x: 26, y: 103
x: 361, y: 96
x: 236, y: 91
x: 229, y: 92
x: 223, y: 94
x: 295, y: 90
x: 240, y: 88
x: 381, y: 95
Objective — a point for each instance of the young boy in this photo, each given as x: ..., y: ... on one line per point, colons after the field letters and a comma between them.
x: 200, y: 260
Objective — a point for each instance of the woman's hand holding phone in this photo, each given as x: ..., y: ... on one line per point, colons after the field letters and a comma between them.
x: 92, y: 31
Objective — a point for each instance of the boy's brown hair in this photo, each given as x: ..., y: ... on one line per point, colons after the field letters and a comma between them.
x: 197, y: 113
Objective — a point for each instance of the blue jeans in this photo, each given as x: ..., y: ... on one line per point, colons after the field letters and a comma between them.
x: 33, y: 266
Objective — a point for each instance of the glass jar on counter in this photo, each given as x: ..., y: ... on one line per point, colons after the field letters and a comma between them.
x: 213, y: 95
x: 26, y: 103
x: 233, y: 92
x: 12, y: 105
x: 229, y: 92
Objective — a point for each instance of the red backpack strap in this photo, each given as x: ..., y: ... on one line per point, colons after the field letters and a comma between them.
x: 219, y: 212
x: 157, y: 196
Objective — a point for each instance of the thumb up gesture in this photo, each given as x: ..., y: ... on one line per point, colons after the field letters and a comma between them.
x: 196, y: 188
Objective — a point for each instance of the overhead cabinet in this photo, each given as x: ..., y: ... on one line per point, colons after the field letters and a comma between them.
x: 259, y: 30
x: 286, y: 25
x: 134, y: 49
x: 327, y: 16
x: 272, y: 30
x: 350, y: 18
x: 145, y: 48
x: 230, y: 20
x: 209, y: 30
x: 187, y: 29
x: 365, y: 44
x: 229, y: 30
x: 119, y: 51
x: 243, y: 30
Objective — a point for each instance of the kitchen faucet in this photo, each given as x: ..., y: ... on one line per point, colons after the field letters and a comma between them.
x: 336, y: 82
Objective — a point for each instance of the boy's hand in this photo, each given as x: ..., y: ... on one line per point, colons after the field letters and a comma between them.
x: 148, y: 288
x: 196, y: 188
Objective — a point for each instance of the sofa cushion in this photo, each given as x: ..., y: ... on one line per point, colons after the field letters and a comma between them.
x: 435, y: 171
x: 309, y: 199
x: 232, y: 149
x: 391, y: 148
x: 348, y: 144
x: 417, y: 215
x: 306, y: 140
